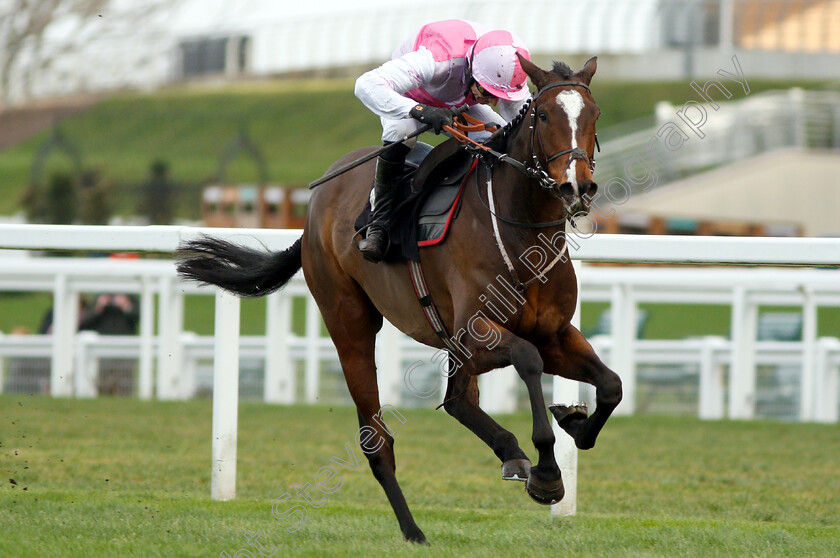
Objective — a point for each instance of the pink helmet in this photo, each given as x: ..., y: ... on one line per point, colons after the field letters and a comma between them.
x: 496, y: 67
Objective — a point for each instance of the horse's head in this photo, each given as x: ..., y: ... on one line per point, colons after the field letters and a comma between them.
x: 563, y: 138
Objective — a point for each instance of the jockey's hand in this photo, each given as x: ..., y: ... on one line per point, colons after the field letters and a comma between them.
x: 435, y: 117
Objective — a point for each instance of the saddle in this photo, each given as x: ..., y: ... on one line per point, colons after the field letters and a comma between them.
x: 430, y: 198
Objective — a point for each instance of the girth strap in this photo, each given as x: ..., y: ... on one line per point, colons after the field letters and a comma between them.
x: 418, y: 281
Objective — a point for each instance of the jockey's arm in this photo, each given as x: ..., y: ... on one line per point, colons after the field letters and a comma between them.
x: 509, y: 109
x: 507, y: 112
x: 382, y: 89
x: 486, y: 114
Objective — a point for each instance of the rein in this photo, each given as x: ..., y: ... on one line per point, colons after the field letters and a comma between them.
x: 458, y: 131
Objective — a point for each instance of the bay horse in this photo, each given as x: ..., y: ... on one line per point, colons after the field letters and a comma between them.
x: 542, y: 179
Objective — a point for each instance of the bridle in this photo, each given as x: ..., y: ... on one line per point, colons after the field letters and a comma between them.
x: 577, y: 153
x: 544, y: 179
x: 536, y: 171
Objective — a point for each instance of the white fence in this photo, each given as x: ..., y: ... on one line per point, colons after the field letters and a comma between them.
x: 745, y: 290
x: 175, y: 355
x: 175, y: 365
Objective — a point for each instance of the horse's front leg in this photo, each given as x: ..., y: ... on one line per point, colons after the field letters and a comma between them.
x: 499, y: 347
x: 571, y: 356
x: 461, y: 401
x: 545, y: 485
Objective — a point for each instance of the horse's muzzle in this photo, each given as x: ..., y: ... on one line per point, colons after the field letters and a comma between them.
x: 578, y: 201
x: 587, y: 190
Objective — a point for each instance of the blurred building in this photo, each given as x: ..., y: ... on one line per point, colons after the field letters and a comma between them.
x: 790, y: 192
x: 691, y: 40
x: 269, y: 207
x: 764, y: 164
x: 812, y: 26
x: 215, y: 39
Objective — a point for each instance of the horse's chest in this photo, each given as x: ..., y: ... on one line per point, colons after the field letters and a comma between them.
x: 544, y: 318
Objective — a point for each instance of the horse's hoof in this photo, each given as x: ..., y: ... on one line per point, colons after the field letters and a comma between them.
x: 546, y: 493
x: 516, y: 469
x: 416, y: 536
x: 567, y: 415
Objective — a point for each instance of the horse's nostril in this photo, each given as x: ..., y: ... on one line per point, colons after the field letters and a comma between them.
x: 567, y: 190
x: 588, y: 189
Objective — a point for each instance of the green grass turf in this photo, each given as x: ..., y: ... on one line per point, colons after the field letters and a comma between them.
x: 121, y: 477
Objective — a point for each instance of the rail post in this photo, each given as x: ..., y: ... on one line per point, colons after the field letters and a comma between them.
x: 712, y: 381
x: 87, y: 367
x: 280, y: 374
x: 623, y: 321
x: 225, y: 397
x: 389, y: 364
x: 147, y: 326
x: 808, y: 387
x: 742, y: 369
x: 565, y: 451
x: 313, y: 353
x: 170, y: 350
x: 828, y: 380
x: 64, y: 325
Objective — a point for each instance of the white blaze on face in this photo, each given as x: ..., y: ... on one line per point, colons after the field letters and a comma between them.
x: 572, y: 103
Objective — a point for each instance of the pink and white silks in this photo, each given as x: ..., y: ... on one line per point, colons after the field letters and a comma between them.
x: 429, y: 68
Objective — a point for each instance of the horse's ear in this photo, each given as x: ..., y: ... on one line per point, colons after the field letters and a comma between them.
x: 539, y: 77
x: 588, y: 70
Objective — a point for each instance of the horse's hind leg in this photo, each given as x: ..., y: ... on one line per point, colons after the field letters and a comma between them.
x: 461, y: 401
x: 573, y: 357
x: 352, y: 322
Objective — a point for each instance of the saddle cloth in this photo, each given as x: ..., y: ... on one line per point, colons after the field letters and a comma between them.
x: 427, y: 201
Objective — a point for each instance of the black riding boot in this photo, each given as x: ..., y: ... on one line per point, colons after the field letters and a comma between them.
x: 388, y: 173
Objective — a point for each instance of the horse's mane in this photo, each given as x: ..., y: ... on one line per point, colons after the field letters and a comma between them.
x: 562, y: 70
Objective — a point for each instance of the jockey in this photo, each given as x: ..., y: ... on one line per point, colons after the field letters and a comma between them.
x: 446, y: 65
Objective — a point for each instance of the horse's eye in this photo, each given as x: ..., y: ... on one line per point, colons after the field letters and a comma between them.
x: 543, y: 116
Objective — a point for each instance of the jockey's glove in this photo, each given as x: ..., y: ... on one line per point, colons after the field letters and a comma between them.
x: 435, y: 117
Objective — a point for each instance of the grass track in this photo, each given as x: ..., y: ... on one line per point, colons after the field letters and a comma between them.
x: 118, y: 477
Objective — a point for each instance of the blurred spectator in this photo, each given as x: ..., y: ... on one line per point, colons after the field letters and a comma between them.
x: 114, y: 314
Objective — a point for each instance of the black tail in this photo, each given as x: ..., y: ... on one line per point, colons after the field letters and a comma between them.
x: 238, y: 269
